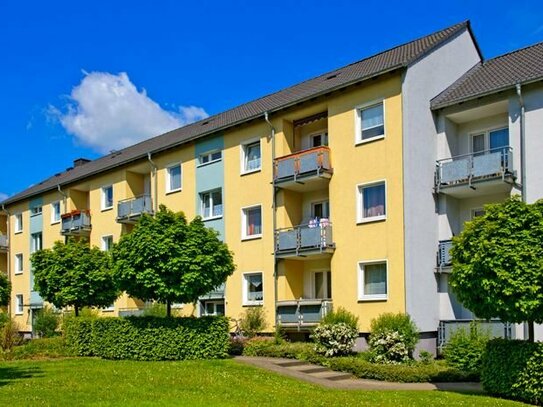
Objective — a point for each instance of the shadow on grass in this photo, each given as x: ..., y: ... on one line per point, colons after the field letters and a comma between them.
x: 11, y: 373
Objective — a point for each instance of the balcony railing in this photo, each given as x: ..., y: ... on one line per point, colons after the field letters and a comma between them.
x: 475, y: 167
x: 495, y: 327
x: 76, y: 223
x: 3, y: 243
x: 129, y: 210
x: 312, y: 238
x: 217, y: 293
x: 302, y: 313
x: 312, y: 162
x: 444, y: 258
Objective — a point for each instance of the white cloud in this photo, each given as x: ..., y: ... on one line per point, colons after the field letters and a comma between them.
x: 107, y: 112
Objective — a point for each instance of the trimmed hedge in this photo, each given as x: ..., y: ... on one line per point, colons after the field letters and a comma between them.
x: 42, y: 348
x: 514, y: 369
x: 148, y: 338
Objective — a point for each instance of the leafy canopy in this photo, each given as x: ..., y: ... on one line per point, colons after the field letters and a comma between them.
x: 74, y: 274
x: 166, y: 259
x: 5, y: 289
x: 498, y: 262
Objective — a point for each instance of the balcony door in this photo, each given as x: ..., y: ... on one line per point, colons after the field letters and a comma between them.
x: 492, y: 140
x: 320, y: 210
x: 322, y: 284
x: 318, y: 139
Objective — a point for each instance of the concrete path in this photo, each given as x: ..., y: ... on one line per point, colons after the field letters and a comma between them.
x: 325, y: 377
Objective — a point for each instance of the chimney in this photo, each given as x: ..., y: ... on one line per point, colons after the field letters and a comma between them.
x: 78, y: 162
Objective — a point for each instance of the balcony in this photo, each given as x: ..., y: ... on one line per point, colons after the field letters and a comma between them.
x: 130, y: 210
x: 302, y: 313
x: 76, y: 223
x: 482, y: 173
x: 313, y: 240
x: 444, y: 258
x: 306, y: 170
x: 216, y: 294
x: 495, y: 327
x: 3, y: 244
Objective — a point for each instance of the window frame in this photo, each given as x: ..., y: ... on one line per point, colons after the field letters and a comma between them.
x: 215, y: 303
x: 473, y: 211
x: 320, y: 202
x: 485, y: 132
x: 18, y: 223
x: 19, y: 304
x: 33, y: 240
x: 103, y: 198
x: 202, y: 201
x: 327, y: 283
x: 54, y: 221
x: 358, y: 121
x: 360, y: 219
x: 244, y: 235
x: 361, y: 280
x: 36, y: 210
x: 103, y: 240
x: 243, y: 156
x: 245, y: 289
x: 210, y: 155
x: 168, y: 188
x: 19, y: 264
x: 323, y: 133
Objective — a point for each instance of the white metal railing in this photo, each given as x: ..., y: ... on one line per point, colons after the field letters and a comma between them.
x: 134, y: 207
x: 315, y: 235
x: 75, y: 222
x: 302, y: 312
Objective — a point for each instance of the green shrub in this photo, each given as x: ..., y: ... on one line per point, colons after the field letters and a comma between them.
x: 46, y: 322
x: 334, y: 339
x: 269, y: 348
x: 393, y: 338
x: 464, y: 350
x: 253, y: 321
x: 426, y: 357
x: 4, y: 317
x: 9, y: 336
x: 148, y: 338
x: 514, y: 369
x: 42, y: 348
x: 341, y: 315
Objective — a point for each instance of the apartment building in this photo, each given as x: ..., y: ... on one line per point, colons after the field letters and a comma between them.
x: 335, y: 192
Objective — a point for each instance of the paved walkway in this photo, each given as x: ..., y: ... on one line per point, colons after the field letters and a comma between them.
x: 325, y: 377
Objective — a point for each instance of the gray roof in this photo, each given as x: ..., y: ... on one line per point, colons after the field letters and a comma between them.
x: 395, y: 58
x: 495, y: 75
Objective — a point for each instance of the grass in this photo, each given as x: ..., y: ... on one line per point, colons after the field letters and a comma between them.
x: 89, y: 381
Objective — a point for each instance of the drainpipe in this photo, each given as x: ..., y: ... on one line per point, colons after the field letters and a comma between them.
x: 274, y: 217
x: 65, y: 200
x: 522, y: 143
x: 155, y: 181
x: 9, y: 252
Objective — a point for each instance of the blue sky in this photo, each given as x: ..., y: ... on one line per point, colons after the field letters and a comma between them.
x: 81, y: 78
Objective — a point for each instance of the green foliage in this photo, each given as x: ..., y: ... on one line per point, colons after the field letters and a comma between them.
x: 426, y: 357
x: 269, y: 348
x: 9, y: 336
x: 5, y: 290
x: 341, y: 315
x: 393, y: 338
x: 156, y: 309
x: 46, y: 322
x: 498, y: 262
x: 334, y: 339
x: 253, y: 321
x: 43, y: 348
x: 148, y: 338
x: 4, y: 317
x: 514, y: 369
x: 465, y: 349
x: 74, y: 274
x: 167, y: 260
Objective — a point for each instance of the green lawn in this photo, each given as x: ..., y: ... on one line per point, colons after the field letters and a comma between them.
x: 84, y: 381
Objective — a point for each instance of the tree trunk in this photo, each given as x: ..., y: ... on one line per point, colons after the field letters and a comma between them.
x: 531, y: 331
x: 76, y: 310
x: 168, y: 308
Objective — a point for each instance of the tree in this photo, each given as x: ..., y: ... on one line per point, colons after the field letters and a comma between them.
x: 74, y: 274
x: 5, y: 290
x: 498, y: 263
x: 168, y: 260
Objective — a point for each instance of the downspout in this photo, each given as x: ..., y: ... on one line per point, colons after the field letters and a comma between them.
x: 65, y: 200
x: 9, y: 252
x: 155, y: 180
x: 522, y: 143
x: 274, y: 217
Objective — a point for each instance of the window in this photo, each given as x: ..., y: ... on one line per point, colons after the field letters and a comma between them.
x: 18, y: 223
x: 211, y: 204
x: 476, y: 212
x: 36, y: 242
x: 372, y: 202
x: 251, y: 157
x: 36, y: 210
x: 253, y: 291
x: 107, y: 197
x: 55, y: 212
x: 372, y: 281
x: 319, y: 139
x: 213, y: 308
x: 372, y: 123
x: 19, y: 263
x: 320, y: 210
x: 251, y: 219
x: 173, y: 178
x: 19, y: 304
x: 322, y: 284
x: 210, y: 157
x: 489, y: 141
x: 107, y: 243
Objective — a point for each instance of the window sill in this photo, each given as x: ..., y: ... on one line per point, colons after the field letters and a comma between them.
x: 371, y: 220
x: 17, y: 232
x: 18, y: 273
x: 173, y: 191
x: 371, y: 298
x: 108, y: 310
x: 19, y: 313
x: 208, y: 163
x: 107, y: 209
x: 211, y: 218
x: 252, y: 237
x: 369, y: 140
x: 253, y: 304
x: 55, y: 222
x: 250, y: 171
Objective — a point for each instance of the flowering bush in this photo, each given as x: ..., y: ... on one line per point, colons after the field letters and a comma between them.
x: 393, y: 338
x: 334, y: 339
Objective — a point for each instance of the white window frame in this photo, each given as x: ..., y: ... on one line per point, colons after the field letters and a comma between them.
x: 103, y: 197
x: 168, y: 177
x: 19, y: 263
x: 34, y: 239
x: 214, y: 302
x: 358, y: 122
x: 19, y: 304
x: 244, y: 235
x: 327, y: 282
x: 210, y: 192
x: 36, y: 210
x: 103, y: 241
x: 323, y: 133
x: 209, y: 154
x: 474, y: 210
x: 243, y: 155
x: 245, y: 288
x: 486, y: 133
x: 18, y: 223
x: 54, y: 220
x: 322, y: 201
x: 361, y: 277
x: 360, y: 202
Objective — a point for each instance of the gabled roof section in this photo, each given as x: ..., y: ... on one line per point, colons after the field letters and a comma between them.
x: 399, y: 57
x: 497, y: 74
